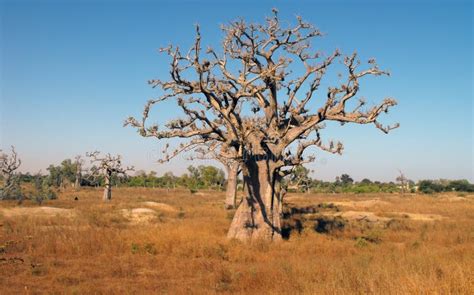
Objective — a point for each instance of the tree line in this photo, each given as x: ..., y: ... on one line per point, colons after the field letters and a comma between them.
x: 208, y: 177
x: 200, y: 177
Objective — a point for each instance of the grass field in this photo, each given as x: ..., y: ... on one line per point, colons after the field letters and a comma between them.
x: 173, y: 242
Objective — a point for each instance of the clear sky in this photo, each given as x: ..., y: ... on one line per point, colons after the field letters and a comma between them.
x: 72, y: 71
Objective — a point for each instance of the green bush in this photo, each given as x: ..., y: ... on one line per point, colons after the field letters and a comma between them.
x: 429, y: 187
x: 43, y: 190
x: 12, y: 190
x: 460, y: 186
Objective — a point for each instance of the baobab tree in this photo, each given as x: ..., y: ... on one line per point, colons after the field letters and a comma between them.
x: 257, y: 96
x: 9, y: 163
x: 108, y: 166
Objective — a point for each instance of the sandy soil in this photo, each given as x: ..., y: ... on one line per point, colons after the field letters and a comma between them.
x: 36, y: 211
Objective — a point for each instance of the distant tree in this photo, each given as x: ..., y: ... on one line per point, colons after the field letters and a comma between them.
x: 68, y: 171
x: 212, y: 176
x: 9, y: 163
x: 92, y: 177
x: 346, y: 179
x: 366, y: 181
x: 55, y: 177
x: 300, y: 179
x: 460, y: 186
x: 140, y: 173
x: 42, y: 190
x: 194, y: 172
x: 25, y: 177
x: 151, y: 179
x: 79, y: 163
x: 429, y: 186
x: 403, y: 181
x: 203, y: 177
x: 220, y: 152
x: 108, y: 166
x: 169, y: 180
x: 139, y: 178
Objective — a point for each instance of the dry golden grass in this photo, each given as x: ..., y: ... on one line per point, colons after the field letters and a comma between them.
x: 181, y: 249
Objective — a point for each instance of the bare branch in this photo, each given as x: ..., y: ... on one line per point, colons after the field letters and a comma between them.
x: 216, y: 91
x: 108, y: 163
x: 9, y: 163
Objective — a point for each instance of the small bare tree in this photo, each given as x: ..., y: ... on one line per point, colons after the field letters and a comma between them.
x: 256, y: 96
x: 9, y: 163
x: 403, y: 181
x: 108, y: 166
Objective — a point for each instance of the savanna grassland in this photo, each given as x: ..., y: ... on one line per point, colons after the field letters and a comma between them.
x: 174, y: 242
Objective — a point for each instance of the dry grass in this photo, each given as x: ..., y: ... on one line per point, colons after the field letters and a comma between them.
x: 180, y: 248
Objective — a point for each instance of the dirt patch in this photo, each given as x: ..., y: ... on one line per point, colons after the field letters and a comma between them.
x: 160, y: 206
x: 386, y: 217
x: 455, y: 199
x: 36, y: 211
x: 362, y: 216
x: 416, y: 216
x: 358, y: 204
x: 139, y: 215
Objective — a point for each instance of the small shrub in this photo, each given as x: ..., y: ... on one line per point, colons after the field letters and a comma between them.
x: 361, y: 242
x: 135, y: 248
x: 416, y: 244
x: 12, y: 190
x: 150, y: 249
x: 223, y: 280
x: 38, y: 269
x: 374, y: 236
x: 397, y: 225
x: 326, y: 205
x: 43, y: 191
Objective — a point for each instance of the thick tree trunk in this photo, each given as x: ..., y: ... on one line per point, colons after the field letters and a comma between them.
x: 258, y: 216
x: 231, y: 189
x: 108, y: 187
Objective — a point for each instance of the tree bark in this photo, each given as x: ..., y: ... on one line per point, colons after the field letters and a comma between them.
x: 231, y: 189
x: 258, y: 216
x: 108, y: 188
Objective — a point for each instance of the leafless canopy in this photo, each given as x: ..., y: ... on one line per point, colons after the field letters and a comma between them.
x: 214, y: 150
x: 108, y: 166
x: 108, y: 163
x: 247, y: 98
x: 9, y: 163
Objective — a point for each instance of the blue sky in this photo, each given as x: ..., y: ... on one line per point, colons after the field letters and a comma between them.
x: 72, y: 71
